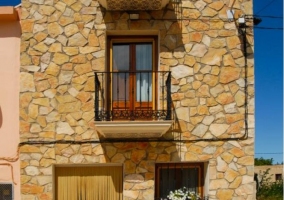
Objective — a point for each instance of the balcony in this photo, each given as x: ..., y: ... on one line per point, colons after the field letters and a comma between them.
x: 133, y: 104
x: 126, y: 5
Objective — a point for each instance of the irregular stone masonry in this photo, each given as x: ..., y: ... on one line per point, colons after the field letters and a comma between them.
x: 64, y: 42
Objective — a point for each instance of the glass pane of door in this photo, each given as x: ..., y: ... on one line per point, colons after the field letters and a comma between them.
x: 144, y: 72
x: 120, y: 75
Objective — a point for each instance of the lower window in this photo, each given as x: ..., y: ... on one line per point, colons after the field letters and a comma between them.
x: 278, y: 177
x: 88, y: 183
x: 6, y: 191
x: 174, y: 176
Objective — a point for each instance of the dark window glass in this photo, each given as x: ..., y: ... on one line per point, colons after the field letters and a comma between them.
x: 278, y: 177
x: 6, y: 191
x: 171, y: 177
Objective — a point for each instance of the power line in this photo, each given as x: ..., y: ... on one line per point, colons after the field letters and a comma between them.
x: 270, y: 153
x: 267, y: 16
x: 266, y: 28
x: 269, y: 28
x: 265, y: 6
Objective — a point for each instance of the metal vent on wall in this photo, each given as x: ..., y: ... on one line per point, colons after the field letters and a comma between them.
x: 6, y: 191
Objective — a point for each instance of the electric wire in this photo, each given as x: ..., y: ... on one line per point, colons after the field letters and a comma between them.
x: 266, y: 16
x: 267, y: 5
x: 208, y: 19
x: 250, y: 17
x: 270, y: 153
x: 269, y: 28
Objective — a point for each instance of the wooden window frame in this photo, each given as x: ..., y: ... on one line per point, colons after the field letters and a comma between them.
x: 199, y: 165
x: 114, y: 39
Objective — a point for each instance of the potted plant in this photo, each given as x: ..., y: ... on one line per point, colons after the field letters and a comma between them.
x: 183, y: 194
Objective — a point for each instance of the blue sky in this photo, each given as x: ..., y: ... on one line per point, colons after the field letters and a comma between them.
x: 268, y: 78
x: 9, y: 2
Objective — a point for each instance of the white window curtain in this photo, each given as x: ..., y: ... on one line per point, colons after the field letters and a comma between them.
x: 144, y: 79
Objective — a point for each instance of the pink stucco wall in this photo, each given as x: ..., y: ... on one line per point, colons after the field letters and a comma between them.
x: 10, y: 32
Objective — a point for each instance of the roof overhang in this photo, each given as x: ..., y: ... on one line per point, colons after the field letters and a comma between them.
x: 9, y: 13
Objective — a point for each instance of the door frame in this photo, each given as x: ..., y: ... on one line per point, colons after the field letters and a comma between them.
x: 135, y: 39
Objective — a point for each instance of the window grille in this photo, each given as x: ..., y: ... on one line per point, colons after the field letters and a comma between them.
x: 173, y: 176
x: 6, y: 191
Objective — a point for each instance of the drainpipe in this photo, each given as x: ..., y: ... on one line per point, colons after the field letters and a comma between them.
x: 242, y: 26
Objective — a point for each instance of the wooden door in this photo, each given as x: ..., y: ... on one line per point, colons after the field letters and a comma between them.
x: 132, y: 77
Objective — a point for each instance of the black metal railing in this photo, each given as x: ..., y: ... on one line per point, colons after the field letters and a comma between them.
x: 139, y: 95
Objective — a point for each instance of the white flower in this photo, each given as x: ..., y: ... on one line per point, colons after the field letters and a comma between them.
x: 183, y: 194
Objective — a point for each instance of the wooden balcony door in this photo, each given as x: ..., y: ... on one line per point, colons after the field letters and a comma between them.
x: 132, y: 77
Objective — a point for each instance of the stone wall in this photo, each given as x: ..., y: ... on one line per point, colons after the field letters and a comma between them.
x: 64, y: 42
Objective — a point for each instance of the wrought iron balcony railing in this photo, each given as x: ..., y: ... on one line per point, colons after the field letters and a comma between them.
x: 139, y: 95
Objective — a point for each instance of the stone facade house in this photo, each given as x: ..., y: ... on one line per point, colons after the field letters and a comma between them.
x: 275, y: 172
x: 10, y: 38
x: 132, y: 99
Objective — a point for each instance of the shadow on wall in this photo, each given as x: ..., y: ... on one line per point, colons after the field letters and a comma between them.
x: 139, y: 157
x: 167, y: 21
x: 10, y: 29
x: 1, y: 118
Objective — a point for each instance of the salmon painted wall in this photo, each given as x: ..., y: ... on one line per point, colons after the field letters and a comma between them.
x: 10, y: 32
